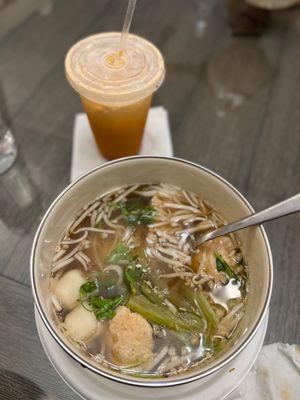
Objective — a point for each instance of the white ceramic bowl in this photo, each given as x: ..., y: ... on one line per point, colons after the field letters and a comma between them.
x: 148, y: 169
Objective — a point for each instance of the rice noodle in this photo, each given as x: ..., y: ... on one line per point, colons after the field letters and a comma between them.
x: 188, y: 217
x: 84, y: 215
x: 111, y: 225
x: 231, y: 313
x: 147, y: 193
x: 189, y: 199
x: 169, y: 261
x: 93, y: 218
x: 126, y: 235
x: 59, y: 254
x: 72, y: 252
x: 97, y: 230
x: 165, y: 235
x: 177, y: 254
x: 125, y: 194
x: 200, y: 280
x: 181, y: 207
x: 74, y: 241
x: 62, y: 264
x: 173, y: 364
x: 158, y: 224
x: 203, y: 226
x: 183, y: 239
x: 99, y: 217
x: 149, y: 365
x: 58, y: 307
x: 82, y: 261
x: 176, y: 275
x: 84, y: 256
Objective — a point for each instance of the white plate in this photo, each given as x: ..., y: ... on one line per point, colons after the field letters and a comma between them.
x: 90, y: 386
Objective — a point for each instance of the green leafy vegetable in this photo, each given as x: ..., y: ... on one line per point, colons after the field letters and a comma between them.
x: 200, y: 303
x: 87, y: 288
x: 133, y: 272
x: 216, y: 345
x: 147, y: 291
x: 162, y: 315
x: 222, y: 266
x: 138, y: 213
x: 91, y: 300
x: 133, y: 275
x: 121, y: 254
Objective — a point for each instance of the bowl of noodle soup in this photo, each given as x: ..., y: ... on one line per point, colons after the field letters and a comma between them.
x: 121, y: 287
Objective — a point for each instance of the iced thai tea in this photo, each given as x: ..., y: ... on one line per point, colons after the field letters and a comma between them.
x: 118, y: 130
x: 115, y: 89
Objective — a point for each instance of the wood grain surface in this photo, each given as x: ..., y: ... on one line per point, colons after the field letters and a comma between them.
x: 234, y: 106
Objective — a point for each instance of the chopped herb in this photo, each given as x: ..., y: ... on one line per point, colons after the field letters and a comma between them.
x: 137, y: 213
x: 87, y: 288
x: 222, y: 266
x: 103, y: 315
x: 101, y: 307
x: 114, y: 206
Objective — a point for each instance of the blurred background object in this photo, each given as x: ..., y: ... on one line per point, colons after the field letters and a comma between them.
x: 8, y: 148
x: 203, y: 10
x: 273, y: 4
x: 251, y: 17
x: 13, y: 12
x: 246, y: 19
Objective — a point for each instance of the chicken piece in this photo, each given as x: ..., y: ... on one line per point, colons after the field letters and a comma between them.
x: 131, y: 337
x: 67, y: 288
x: 81, y: 324
x: 204, y: 261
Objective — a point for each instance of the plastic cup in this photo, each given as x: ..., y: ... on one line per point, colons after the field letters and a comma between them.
x: 115, y: 89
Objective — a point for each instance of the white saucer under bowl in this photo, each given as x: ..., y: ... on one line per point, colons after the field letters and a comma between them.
x: 90, y: 386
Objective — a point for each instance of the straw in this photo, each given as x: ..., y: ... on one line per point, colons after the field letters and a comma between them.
x: 126, y: 25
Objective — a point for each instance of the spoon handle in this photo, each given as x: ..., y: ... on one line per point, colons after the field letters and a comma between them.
x: 286, y: 207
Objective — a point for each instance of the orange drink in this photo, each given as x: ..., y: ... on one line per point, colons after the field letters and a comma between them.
x: 116, y: 88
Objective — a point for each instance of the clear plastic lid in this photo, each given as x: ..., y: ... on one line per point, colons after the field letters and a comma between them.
x: 95, y: 72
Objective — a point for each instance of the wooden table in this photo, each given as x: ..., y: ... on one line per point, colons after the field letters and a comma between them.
x: 234, y: 106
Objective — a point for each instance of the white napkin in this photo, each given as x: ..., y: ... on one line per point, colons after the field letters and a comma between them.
x: 275, y: 375
x: 85, y: 154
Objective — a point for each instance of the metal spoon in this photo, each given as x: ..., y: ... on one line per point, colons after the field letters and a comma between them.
x: 286, y: 207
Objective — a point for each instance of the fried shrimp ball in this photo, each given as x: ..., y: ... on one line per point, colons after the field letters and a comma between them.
x: 131, y: 337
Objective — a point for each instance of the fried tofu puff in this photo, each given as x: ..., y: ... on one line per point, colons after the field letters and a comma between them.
x: 204, y: 261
